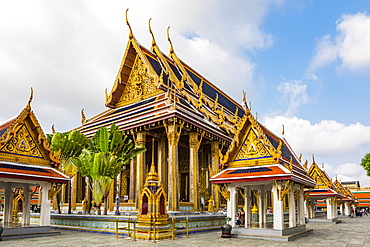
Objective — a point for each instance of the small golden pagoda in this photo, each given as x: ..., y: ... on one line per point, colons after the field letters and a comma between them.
x: 152, y: 216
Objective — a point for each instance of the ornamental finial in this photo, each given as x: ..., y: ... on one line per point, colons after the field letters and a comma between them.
x: 150, y: 31
x: 31, y: 97
x: 313, y: 159
x: 283, y: 131
x: 245, y: 100
x: 169, y: 40
x: 83, y: 117
x: 52, y: 129
x: 128, y: 24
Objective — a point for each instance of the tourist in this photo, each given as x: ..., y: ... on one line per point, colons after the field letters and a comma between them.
x: 237, y: 220
x: 242, y: 217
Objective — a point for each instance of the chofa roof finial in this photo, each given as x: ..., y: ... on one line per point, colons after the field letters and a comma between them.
x: 31, y: 97
x: 169, y: 40
x: 150, y: 31
x: 131, y: 35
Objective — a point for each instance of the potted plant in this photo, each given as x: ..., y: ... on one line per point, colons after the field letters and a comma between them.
x: 226, y: 229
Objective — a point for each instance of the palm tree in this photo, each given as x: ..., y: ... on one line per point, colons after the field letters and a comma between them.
x: 103, y: 160
x: 67, y: 146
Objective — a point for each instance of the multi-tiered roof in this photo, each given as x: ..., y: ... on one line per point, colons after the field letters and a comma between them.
x: 151, y: 86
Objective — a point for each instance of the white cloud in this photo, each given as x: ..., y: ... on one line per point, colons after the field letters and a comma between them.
x: 340, y: 147
x: 70, y: 51
x: 326, y: 138
x: 351, y: 45
x: 294, y: 94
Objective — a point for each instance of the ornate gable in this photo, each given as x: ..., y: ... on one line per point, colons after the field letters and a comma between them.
x: 140, y: 84
x: 137, y: 79
x: 250, y: 146
x: 23, y: 141
x: 322, y: 181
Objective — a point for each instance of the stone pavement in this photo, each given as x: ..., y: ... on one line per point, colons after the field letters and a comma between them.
x: 351, y: 232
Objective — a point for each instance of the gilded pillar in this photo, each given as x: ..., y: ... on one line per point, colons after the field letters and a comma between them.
x: 140, y: 166
x: 131, y: 195
x: 162, y: 166
x: 173, y: 130
x: 194, y: 144
x: 214, y: 164
x: 111, y: 197
x: 74, y: 192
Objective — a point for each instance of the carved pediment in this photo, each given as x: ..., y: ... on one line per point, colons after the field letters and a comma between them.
x: 22, y: 143
x: 140, y: 84
x: 252, y: 147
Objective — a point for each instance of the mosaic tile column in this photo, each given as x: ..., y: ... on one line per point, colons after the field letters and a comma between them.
x: 173, y: 130
x: 215, y: 160
x: 194, y: 144
x: 140, y: 166
x: 162, y: 165
x: 131, y: 195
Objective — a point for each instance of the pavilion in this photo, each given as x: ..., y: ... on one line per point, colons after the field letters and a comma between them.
x: 263, y: 172
x: 325, y: 191
x: 26, y: 161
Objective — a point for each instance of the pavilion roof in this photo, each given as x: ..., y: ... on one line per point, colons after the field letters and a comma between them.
x: 24, y: 150
x: 255, y: 148
x: 147, y: 75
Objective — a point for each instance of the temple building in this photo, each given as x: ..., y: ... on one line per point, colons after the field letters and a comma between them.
x: 26, y: 162
x: 263, y: 172
x: 159, y: 97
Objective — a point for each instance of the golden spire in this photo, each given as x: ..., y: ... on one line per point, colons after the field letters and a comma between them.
x: 52, y: 129
x: 283, y: 131
x: 169, y: 40
x: 30, y: 100
x: 152, y: 175
x: 128, y: 24
x: 313, y: 159
x: 150, y: 31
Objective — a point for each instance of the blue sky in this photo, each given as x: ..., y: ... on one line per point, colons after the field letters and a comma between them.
x: 304, y: 64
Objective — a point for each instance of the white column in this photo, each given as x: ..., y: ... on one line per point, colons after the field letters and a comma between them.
x: 335, y: 209
x: 301, y: 206
x: 8, y: 204
x: 347, y: 209
x: 231, y: 204
x: 45, y: 205
x: 292, y: 217
x: 247, y: 207
x: 329, y: 209
x: 262, y: 207
x: 278, y: 214
x: 312, y: 209
x: 26, y: 205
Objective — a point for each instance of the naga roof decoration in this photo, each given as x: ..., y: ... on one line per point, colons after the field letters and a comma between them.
x: 148, y: 76
x: 256, y: 154
x: 24, y: 150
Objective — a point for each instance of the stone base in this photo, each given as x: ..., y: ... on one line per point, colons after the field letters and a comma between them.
x: 271, y: 234
x: 147, y: 232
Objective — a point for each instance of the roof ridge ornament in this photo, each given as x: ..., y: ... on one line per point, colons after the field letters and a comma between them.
x: 150, y: 31
x: 131, y: 35
x: 169, y: 40
x: 83, y: 117
x: 31, y: 97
